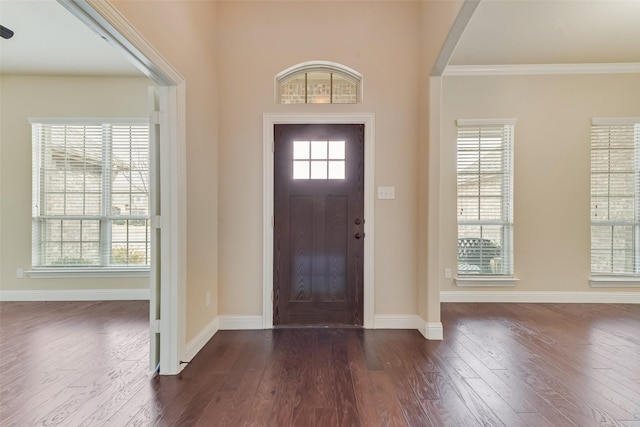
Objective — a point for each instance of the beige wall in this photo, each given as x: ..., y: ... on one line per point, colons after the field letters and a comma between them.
x: 24, y: 97
x: 257, y: 40
x: 184, y: 33
x: 552, y: 162
x: 393, y: 44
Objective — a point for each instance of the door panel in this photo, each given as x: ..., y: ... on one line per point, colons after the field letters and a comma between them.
x: 337, y: 247
x: 318, y: 230
x: 301, y: 226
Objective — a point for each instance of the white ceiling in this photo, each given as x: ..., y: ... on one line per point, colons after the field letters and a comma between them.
x: 509, y: 32
x: 49, y: 40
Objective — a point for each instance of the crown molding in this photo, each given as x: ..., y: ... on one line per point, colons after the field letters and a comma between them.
x: 541, y: 69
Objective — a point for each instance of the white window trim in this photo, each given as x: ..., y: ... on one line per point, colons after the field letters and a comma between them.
x: 95, y: 271
x: 612, y: 121
x: 69, y: 273
x: 470, y: 281
x: 615, y: 281
x: 486, y: 122
x: 502, y: 279
x: 87, y: 121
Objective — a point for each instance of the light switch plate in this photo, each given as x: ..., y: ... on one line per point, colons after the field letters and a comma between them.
x: 386, y: 193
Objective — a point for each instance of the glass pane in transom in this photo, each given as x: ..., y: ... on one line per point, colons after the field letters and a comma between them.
x: 318, y: 88
x: 293, y: 91
x: 343, y: 91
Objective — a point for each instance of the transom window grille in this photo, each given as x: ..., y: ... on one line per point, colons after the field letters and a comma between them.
x: 485, y: 197
x: 615, y: 197
x: 90, y: 193
x: 319, y: 83
x: 318, y: 159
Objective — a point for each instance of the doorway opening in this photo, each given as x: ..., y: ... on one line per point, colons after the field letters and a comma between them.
x: 167, y: 288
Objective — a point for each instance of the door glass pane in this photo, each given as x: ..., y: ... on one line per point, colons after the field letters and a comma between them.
x: 336, y: 169
x: 336, y: 150
x: 319, y: 150
x: 319, y: 169
x: 300, y: 150
x: 301, y: 169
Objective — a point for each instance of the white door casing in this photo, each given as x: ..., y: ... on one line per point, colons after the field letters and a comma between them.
x: 368, y: 119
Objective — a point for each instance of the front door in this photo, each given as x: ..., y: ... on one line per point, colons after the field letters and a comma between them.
x: 318, y: 224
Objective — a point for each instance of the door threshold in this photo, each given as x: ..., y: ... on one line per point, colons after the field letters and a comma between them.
x: 336, y: 326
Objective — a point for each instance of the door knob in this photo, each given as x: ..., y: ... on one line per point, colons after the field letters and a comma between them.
x: 358, y: 235
x: 359, y: 221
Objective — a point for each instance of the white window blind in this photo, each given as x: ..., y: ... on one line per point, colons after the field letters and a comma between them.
x: 485, y: 197
x: 615, y: 197
x: 90, y: 193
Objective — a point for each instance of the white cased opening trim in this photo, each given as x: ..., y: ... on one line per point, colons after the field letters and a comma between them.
x: 104, y: 19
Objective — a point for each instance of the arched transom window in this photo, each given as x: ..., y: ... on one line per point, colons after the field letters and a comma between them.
x: 319, y: 82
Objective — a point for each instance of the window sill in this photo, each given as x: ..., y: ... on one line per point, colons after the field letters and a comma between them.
x: 614, y: 282
x: 465, y: 281
x: 70, y: 273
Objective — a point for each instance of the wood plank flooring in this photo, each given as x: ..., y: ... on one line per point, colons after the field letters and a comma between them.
x: 85, y: 364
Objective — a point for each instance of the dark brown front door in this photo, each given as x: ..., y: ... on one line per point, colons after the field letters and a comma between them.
x: 319, y: 224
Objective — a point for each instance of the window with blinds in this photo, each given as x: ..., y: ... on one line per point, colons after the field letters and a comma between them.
x: 615, y: 197
x: 90, y: 193
x: 485, y: 197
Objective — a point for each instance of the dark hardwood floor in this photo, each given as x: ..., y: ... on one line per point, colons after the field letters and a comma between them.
x: 85, y: 364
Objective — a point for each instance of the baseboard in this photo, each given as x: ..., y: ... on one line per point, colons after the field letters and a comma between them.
x: 197, y: 343
x: 221, y: 323
x: 397, y: 321
x: 541, y: 297
x: 76, y: 295
x: 431, y: 331
x: 231, y: 323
